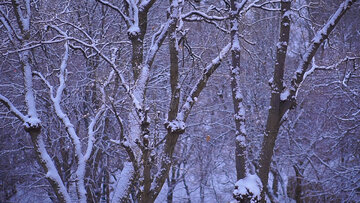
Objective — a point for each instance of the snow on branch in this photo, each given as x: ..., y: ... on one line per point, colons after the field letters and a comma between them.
x: 260, y: 6
x: 7, y: 26
x: 146, y: 4
x: 175, y: 126
x: 52, y: 172
x: 319, y: 38
x: 91, y: 128
x: 117, y: 9
x: 156, y: 41
x: 105, y: 58
x: 240, y: 6
x: 33, y: 120
x: 332, y: 66
x: 12, y: 108
x: 201, y: 16
x: 195, y: 92
x: 123, y: 185
x: 134, y: 29
x: 24, y: 22
x: 174, y: 65
x: 56, y: 99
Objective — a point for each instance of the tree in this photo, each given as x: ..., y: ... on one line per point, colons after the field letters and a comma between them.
x: 143, y: 173
x: 126, y: 101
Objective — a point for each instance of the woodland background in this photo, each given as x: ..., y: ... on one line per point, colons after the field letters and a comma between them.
x: 148, y: 100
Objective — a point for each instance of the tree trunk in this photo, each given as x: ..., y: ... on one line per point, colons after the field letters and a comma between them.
x: 298, y: 187
x: 36, y: 138
x: 274, y: 117
x: 239, y: 109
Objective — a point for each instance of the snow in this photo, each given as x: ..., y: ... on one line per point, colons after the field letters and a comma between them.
x: 91, y: 134
x: 12, y: 108
x: 29, y: 94
x: 346, y: 78
x: 30, y: 122
x: 344, y: 5
x: 124, y: 182
x: 238, y: 94
x: 202, y: 15
x: 115, y: 141
x: 26, y: 21
x: 222, y: 54
x: 126, y: 144
x: 279, y: 45
x: 271, y: 81
x: 80, y: 172
x: 52, y: 171
x: 8, y: 28
x: 322, y: 34
x: 240, y: 5
x: 242, y: 128
x: 175, y: 126
x: 287, y: 14
x: 236, y: 44
x: 185, y: 109
x: 249, y: 186
x: 235, y: 71
x: 241, y: 139
x: 133, y: 30
x: 284, y: 95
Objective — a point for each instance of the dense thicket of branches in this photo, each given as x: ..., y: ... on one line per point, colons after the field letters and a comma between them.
x: 179, y: 100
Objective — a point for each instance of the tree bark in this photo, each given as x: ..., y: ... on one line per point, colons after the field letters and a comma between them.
x: 298, y: 186
x: 274, y: 117
x: 239, y: 109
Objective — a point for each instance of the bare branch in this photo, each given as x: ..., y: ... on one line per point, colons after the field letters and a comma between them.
x: 319, y: 38
x: 117, y: 9
x: 12, y: 108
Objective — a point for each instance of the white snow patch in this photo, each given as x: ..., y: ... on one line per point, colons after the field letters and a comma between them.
x: 250, y: 186
x: 176, y: 125
x: 285, y: 94
x: 124, y: 181
x: 133, y: 30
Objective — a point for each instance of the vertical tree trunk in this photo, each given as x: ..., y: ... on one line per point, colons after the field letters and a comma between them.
x: 239, y: 109
x: 274, y: 117
x: 275, y: 186
x: 171, y: 184
x: 298, y: 186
